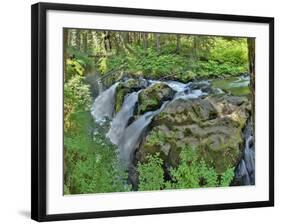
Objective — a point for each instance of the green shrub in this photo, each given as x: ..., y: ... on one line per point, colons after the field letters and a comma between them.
x: 191, y: 172
x: 77, y: 98
x: 227, y: 177
x: 82, y: 58
x: 222, y: 57
x: 73, y: 68
x: 91, y: 162
x: 151, y: 174
x: 155, y: 138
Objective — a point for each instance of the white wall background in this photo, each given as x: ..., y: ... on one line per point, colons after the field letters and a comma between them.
x: 15, y: 110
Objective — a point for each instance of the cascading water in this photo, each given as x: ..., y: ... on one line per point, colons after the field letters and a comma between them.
x: 128, y: 137
x: 100, y: 86
x: 104, y: 104
x: 133, y: 134
x: 245, y: 172
x: 121, y: 119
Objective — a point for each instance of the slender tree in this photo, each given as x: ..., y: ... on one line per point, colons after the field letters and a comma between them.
x: 158, y: 42
x: 251, y: 59
x: 65, y: 45
x: 178, y: 43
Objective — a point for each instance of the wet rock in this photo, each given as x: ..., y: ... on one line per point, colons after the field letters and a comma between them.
x: 151, y: 98
x: 125, y: 87
x: 213, y: 126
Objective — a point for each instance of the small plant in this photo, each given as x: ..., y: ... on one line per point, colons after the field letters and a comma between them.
x: 191, y: 172
x: 155, y: 138
x: 151, y: 174
x: 227, y: 177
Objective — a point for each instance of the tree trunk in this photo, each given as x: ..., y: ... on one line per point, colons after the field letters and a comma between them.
x: 65, y: 45
x: 144, y: 40
x: 107, y: 43
x: 85, y: 41
x: 78, y: 39
x: 195, y: 47
x: 251, y: 59
x: 178, y: 43
x: 158, y: 42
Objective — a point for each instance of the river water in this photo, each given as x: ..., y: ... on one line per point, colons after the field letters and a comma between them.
x: 127, y: 136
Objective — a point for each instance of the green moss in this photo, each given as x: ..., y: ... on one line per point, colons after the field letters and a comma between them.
x: 151, y: 98
x: 125, y: 88
x: 148, y: 105
x: 120, y: 96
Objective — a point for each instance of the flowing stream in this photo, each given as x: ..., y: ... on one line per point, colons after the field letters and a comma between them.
x: 128, y: 135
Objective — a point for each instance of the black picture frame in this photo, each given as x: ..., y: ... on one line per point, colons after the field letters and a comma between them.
x: 39, y: 108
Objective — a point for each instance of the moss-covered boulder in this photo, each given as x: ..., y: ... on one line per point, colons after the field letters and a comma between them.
x: 213, y: 126
x: 152, y: 97
x: 125, y: 87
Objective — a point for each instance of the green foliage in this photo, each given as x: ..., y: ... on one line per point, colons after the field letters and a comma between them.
x: 230, y: 51
x: 191, y: 172
x: 147, y: 63
x: 121, y: 92
x: 186, y: 175
x: 91, y: 162
x: 77, y: 98
x: 227, y: 177
x: 74, y: 68
x: 149, y: 102
x: 102, y: 65
x: 151, y: 174
x: 224, y: 58
x: 155, y: 138
x: 207, y: 175
x: 184, y: 57
x: 81, y: 57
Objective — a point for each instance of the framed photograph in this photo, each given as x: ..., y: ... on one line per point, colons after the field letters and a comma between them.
x: 140, y: 111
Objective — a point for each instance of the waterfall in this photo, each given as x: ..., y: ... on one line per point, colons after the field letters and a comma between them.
x: 128, y: 137
x: 104, y: 104
x: 121, y: 119
x: 133, y: 134
x: 100, y: 87
x: 242, y: 173
x: 245, y: 171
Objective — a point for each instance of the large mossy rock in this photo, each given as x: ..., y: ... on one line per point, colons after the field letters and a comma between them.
x: 125, y: 87
x: 151, y: 98
x: 213, y: 126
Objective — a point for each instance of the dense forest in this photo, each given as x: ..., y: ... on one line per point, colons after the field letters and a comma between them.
x: 119, y: 83
x: 156, y: 55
